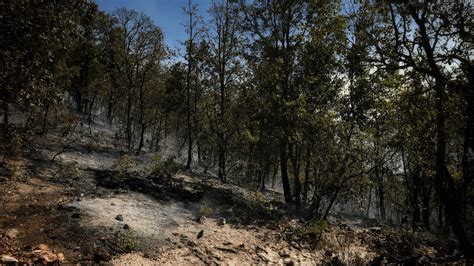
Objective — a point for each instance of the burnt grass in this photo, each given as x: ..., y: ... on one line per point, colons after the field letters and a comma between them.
x: 236, y: 208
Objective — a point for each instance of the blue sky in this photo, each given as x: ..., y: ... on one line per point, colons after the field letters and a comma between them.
x: 167, y: 14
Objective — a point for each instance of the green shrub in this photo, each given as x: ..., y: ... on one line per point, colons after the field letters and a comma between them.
x: 16, y: 147
x: 123, y: 164
x: 157, y: 165
x: 69, y: 170
x: 128, y: 241
x: 313, y: 229
x: 154, y: 163
x: 206, y: 210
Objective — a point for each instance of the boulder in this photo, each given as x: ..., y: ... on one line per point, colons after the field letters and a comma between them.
x: 8, y: 259
x: 12, y: 233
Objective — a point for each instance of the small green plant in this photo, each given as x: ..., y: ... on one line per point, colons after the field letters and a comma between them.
x: 169, y: 165
x: 313, y: 229
x: 69, y: 170
x: 11, y: 169
x: 259, y: 197
x: 206, y: 210
x: 92, y: 146
x: 154, y: 163
x: 158, y: 165
x: 15, y: 147
x: 123, y: 164
x: 129, y: 241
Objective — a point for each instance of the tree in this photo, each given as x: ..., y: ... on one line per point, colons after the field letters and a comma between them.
x: 279, y: 29
x: 143, y: 51
x: 224, y: 41
x: 193, y: 31
x: 431, y: 39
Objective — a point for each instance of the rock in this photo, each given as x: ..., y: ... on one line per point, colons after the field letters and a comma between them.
x: 119, y: 217
x: 112, y: 204
x: 288, y: 261
x: 101, y: 256
x: 61, y: 257
x: 200, y: 219
x: 190, y: 243
x: 221, y: 221
x: 12, y: 233
x: 284, y: 253
x: 42, y: 247
x: 47, y: 257
x: 227, y: 249
x: 328, y: 253
x: 8, y: 259
x: 75, y: 215
x: 423, y: 260
x: 263, y: 256
x: 376, y: 229
x: 200, y: 234
x: 126, y: 227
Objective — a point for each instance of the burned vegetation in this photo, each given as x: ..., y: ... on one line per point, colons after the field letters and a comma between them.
x: 278, y: 132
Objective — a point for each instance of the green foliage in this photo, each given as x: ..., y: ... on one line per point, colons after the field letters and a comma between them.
x: 157, y: 165
x: 313, y: 229
x: 128, y: 240
x: 254, y: 209
x: 154, y: 163
x: 349, y: 102
x: 68, y: 170
x: 205, y: 210
x: 123, y: 164
x: 10, y: 169
x: 16, y: 143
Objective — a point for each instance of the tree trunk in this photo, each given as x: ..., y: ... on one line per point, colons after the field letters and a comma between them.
x: 284, y: 171
x: 294, y: 158
x: 5, y: 114
x: 128, y: 127
x: 331, y: 203
x: 449, y: 196
x: 142, y: 136
x: 415, y: 197
x: 78, y: 98
x: 221, y: 162
x: 275, y: 172
x: 468, y: 147
x: 426, y: 212
x: 91, y: 107
x: 381, y: 194
x: 45, y: 119
x: 315, y: 205
x: 306, y: 176
x: 110, y: 105
x: 369, y: 201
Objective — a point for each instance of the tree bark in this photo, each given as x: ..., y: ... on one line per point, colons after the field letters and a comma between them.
x: 381, y: 194
x: 306, y: 176
x: 284, y: 171
x: 142, y: 137
x: 294, y: 158
x: 5, y: 113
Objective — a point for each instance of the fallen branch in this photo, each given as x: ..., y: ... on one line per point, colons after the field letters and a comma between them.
x: 231, y: 250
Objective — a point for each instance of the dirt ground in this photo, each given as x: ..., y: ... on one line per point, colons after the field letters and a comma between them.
x: 81, y: 225
x: 79, y: 208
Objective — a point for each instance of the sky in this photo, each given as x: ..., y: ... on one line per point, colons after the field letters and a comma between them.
x: 167, y: 14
